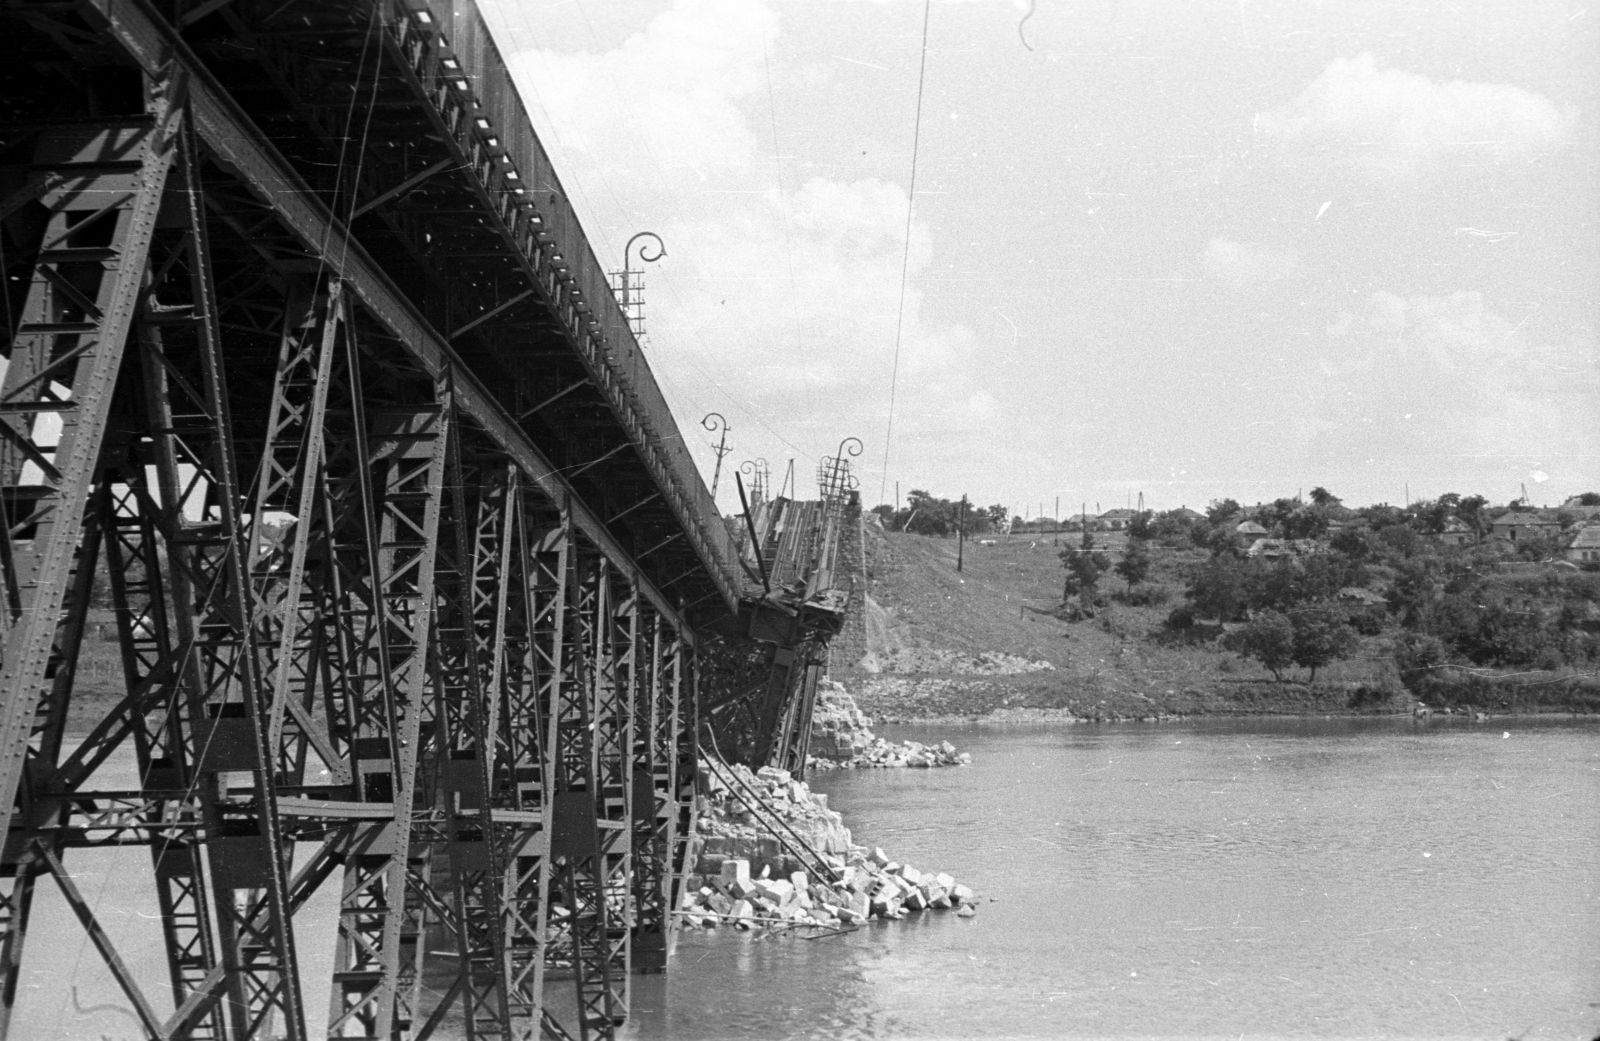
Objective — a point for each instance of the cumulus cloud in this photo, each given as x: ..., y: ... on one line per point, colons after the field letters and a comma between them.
x: 779, y: 302
x: 1395, y: 126
x: 1242, y: 264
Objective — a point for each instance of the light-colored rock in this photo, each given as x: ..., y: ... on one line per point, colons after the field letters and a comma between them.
x: 735, y: 870
x: 960, y: 894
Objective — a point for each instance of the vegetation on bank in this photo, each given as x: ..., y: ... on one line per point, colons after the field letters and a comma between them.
x: 1181, y: 612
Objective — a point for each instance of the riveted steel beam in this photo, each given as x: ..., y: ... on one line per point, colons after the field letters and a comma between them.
x: 235, y: 142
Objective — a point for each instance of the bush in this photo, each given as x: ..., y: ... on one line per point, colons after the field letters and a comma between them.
x: 1549, y: 659
x: 1180, y: 618
x: 1368, y: 621
x: 1418, y: 656
x: 1146, y: 596
x: 1366, y: 696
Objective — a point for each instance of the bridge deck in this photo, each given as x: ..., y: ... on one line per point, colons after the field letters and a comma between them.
x: 401, y: 120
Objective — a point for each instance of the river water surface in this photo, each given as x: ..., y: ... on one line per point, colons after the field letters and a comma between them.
x: 1259, y: 878
x: 1263, y: 878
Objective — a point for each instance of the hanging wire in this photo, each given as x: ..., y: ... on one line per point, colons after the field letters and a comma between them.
x: 905, y: 259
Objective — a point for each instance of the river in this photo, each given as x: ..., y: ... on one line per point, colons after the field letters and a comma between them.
x: 1258, y: 878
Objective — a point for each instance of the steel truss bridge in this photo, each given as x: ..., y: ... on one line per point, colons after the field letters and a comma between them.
x: 314, y: 381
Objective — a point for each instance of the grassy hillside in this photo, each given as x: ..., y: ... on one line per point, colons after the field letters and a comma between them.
x: 920, y: 649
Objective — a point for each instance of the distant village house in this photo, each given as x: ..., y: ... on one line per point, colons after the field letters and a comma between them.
x: 1518, y: 525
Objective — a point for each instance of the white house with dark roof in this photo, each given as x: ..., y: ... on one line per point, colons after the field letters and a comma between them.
x: 1115, y: 520
x: 1585, y: 546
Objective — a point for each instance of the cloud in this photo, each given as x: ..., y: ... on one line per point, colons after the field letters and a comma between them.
x: 1394, y: 126
x: 1243, y: 264
x: 780, y: 300
x: 1445, y: 383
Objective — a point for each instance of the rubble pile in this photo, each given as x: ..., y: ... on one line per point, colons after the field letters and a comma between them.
x: 749, y: 873
x: 869, y: 886
x: 727, y: 828
x: 905, y: 753
x: 841, y: 738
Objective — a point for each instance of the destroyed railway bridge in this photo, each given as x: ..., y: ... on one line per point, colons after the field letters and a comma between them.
x: 313, y: 375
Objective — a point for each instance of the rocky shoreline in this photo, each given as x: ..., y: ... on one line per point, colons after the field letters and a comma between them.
x: 842, y: 738
x: 772, y: 855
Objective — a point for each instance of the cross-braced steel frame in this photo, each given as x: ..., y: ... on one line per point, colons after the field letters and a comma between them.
x: 355, y: 608
x: 405, y: 565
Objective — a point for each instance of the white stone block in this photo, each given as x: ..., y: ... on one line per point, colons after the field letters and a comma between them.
x: 735, y: 870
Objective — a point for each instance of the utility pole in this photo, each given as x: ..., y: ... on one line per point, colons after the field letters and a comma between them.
x: 961, y: 530
x: 722, y: 448
x: 1058, y: 521
x: 897, y: 496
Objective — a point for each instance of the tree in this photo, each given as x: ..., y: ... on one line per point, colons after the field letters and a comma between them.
x: 1134, y: 566
x: 1084, y: 567
x: 1402, y: 538
x: 1470, y: 510
x: 1320, y: 637
x: 1220, y: 589
x: 1269, y: 639
x: 1589, y: 499
x: 1139, y: 526
x: 1413, y: 592
x: 1322, y: 497
x: 1222, y: 510
x: 1354, y: 543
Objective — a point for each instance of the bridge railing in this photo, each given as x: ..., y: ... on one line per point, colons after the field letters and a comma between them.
x: 535, y: 207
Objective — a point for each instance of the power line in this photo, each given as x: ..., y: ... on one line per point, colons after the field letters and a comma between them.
x: 905, y: 259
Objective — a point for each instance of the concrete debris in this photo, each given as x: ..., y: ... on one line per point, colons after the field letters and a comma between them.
x: 841, y: 739
x: 745, y: 877
x: 866, y: 891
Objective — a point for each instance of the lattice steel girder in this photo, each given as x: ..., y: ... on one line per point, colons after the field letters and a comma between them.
x: 293, y: 606
x: 687, y: 751
x: 655, y: 768
x: 235, y: 142
x: 102, y: 184
x: 191, y: 433
x: 380, y: 924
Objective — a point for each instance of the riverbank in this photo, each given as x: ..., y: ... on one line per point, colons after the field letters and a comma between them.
x: 927, y: 643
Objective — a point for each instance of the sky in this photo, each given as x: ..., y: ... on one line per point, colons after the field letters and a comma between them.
x: 1183, y: 249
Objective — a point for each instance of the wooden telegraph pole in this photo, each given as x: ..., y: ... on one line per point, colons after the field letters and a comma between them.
x: 961, y: 530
